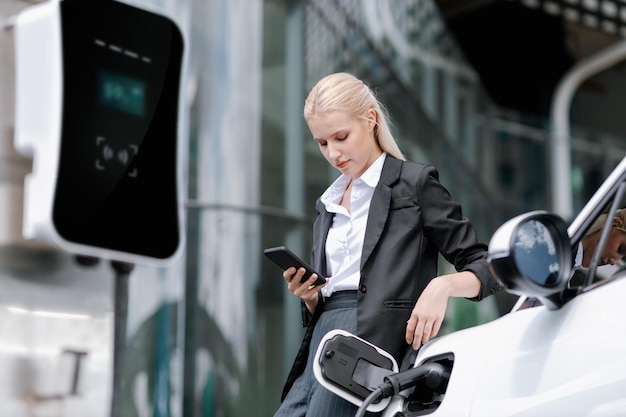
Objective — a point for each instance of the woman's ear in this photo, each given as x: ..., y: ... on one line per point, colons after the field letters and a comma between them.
x: 372, y: 119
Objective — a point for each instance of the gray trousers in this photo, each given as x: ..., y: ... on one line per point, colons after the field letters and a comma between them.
x: 307, y: 397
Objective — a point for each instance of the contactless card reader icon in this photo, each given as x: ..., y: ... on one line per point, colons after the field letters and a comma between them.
x: 98, y: 109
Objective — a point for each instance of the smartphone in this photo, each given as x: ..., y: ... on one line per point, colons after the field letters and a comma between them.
x: 285, y: 258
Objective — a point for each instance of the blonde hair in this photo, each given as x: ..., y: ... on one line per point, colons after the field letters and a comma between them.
x: 346, y: 93
x: 620, y: 214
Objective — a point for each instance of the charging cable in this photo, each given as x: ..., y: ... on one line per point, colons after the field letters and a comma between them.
x: 431, y: 375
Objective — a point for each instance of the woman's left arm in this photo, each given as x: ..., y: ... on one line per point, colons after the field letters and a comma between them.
x: 430, y: 309
x: 455, y: 238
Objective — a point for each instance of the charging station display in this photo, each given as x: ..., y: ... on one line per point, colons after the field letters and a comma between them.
x: 117, y: 171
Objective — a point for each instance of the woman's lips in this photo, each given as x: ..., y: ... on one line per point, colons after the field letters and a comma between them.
x: 342, y: 165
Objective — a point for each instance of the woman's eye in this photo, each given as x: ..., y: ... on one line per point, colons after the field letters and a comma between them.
x: 343, y: 137
x: 622, y: 250
x: 322, y: 143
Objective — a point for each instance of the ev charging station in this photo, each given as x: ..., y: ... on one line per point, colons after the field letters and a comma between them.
x: 98, y: 109
x: 97, y: 95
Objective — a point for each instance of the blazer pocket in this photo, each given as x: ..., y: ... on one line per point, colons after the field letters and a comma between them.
x: 399, y: 304
x: 402, y: 202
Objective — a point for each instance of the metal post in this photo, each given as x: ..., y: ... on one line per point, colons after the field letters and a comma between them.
x: 560, y: 158
x: 294, y: 160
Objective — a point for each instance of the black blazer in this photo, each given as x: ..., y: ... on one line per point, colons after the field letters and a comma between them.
x: 412, y: 218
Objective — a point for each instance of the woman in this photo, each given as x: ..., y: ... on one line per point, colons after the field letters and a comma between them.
x: 615, y: 248
x: 379, y: 229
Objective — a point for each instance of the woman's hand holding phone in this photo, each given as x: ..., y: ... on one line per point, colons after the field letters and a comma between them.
x: 306, y: 290
x: 302, y: 280
x: 285, y: 259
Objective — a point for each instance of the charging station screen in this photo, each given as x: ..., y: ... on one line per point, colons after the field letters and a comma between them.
x: 122, y: 93
x: 117, y: 179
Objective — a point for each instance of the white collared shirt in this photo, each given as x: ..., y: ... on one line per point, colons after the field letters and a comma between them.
x: 344, y: 244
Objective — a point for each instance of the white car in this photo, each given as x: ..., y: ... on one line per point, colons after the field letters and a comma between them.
x: 564, y: 357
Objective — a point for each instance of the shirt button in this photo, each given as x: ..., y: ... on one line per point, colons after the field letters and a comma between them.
x: 363, y: 288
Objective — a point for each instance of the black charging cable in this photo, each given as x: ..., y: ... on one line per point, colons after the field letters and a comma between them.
x: 375, y: 395
x: 431, y: 375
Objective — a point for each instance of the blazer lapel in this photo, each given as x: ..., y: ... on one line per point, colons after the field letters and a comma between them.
x: 379, y: 206
x: 321, y: 228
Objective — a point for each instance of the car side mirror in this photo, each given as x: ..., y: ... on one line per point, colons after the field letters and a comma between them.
x: 531, y: 255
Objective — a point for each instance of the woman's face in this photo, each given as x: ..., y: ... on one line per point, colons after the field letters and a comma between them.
x: 347, y: 143
x: 615, y: 248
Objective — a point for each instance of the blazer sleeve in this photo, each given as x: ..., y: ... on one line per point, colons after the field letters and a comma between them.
x: 452, y: 233
x: 307, y: 317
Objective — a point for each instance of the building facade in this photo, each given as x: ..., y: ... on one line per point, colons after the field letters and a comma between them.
x: 214, y: 334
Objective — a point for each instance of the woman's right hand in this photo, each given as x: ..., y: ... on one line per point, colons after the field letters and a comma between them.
x: 305, y: 290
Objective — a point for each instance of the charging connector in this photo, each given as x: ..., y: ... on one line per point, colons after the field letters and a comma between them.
x: 430, y: 375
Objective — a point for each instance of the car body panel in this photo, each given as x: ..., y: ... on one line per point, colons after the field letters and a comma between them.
x: 535, y: 362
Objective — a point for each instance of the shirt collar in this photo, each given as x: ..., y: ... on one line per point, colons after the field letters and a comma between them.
x: 370, y: 177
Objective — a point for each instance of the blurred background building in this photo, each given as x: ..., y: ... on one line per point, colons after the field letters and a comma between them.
x: 469, y: 86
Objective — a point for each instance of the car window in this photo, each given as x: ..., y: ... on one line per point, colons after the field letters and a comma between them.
x: 601, y: 251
